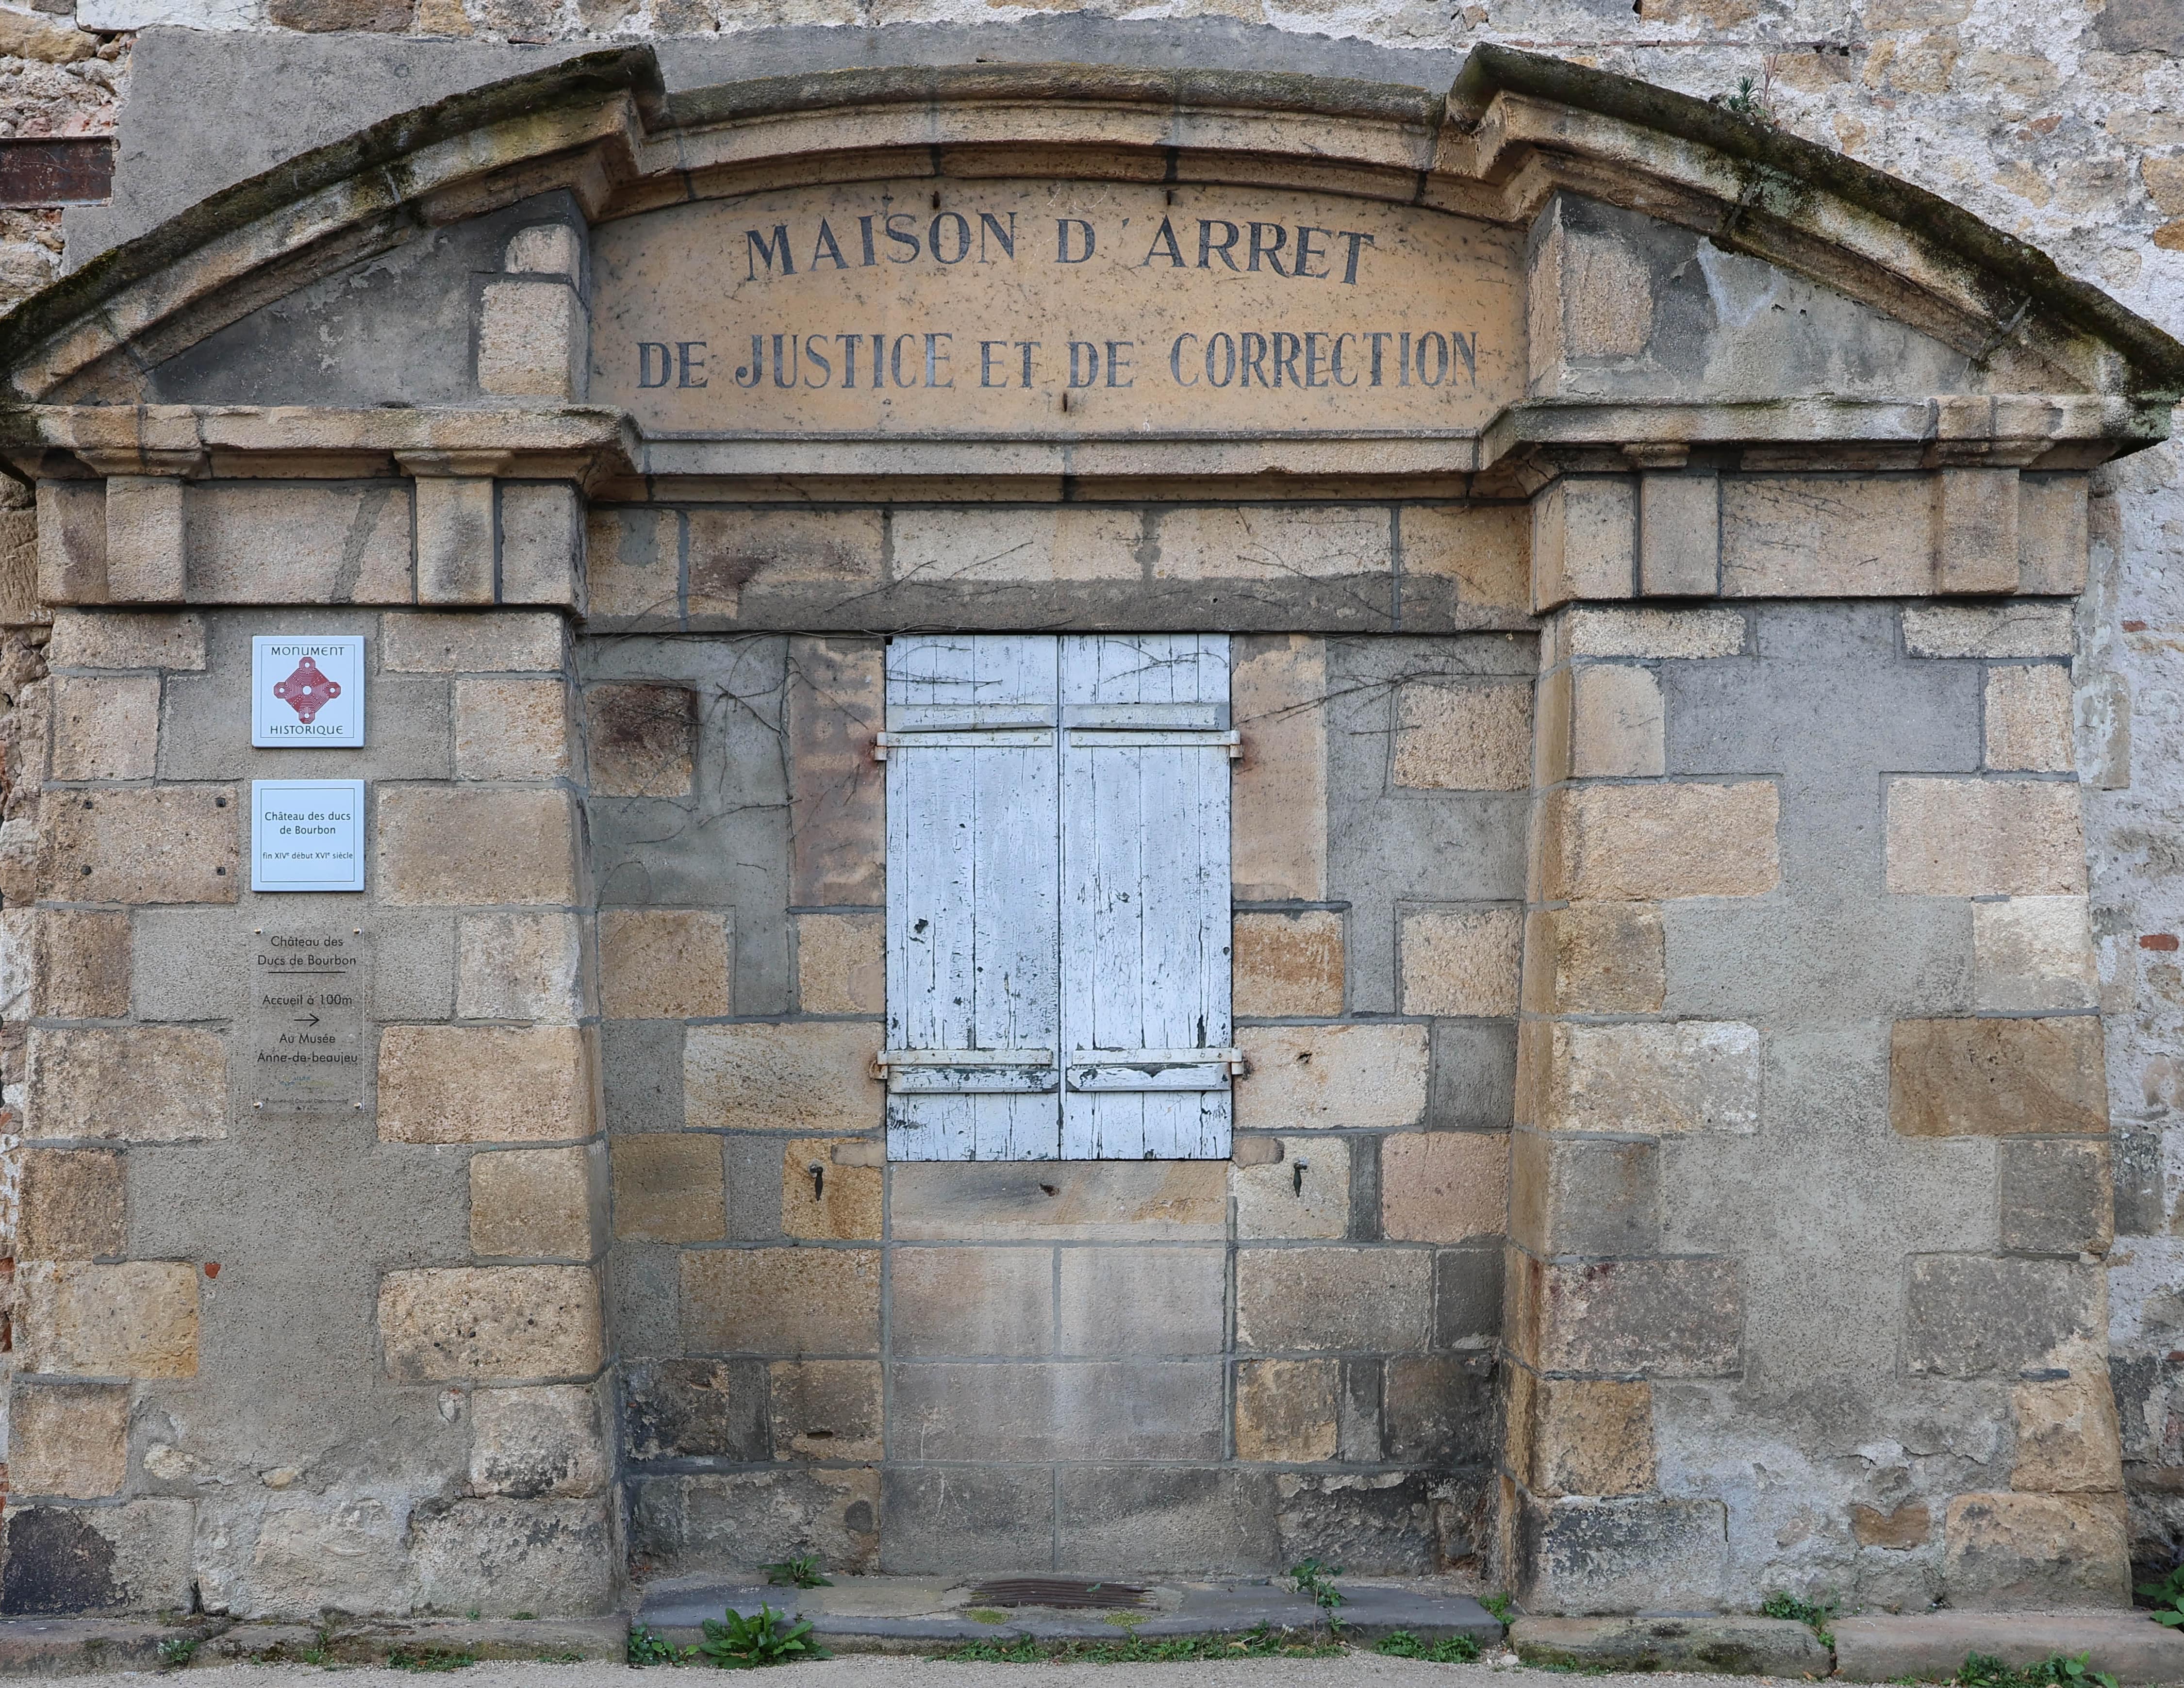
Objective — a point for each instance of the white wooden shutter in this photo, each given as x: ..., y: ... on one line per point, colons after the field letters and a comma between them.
x: 1145, y: 1025
x: 973, y: 987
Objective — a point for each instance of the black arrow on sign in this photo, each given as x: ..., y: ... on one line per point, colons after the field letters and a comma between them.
x: 313, y: 1021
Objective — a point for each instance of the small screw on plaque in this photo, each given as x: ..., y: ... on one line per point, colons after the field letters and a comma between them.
x: 1296, y: 1177
x: 818, y: 1181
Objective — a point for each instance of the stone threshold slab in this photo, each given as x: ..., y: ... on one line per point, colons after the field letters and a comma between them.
x: 910, y: 1614
x: 77, y: 1646
x: 2129, y: 1646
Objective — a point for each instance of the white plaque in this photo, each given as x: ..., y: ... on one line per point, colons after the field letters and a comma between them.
x: 306, y: 690
x: 307, y: 835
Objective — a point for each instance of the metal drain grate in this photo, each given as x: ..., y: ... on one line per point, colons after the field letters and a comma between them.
x: 1056, y: 1591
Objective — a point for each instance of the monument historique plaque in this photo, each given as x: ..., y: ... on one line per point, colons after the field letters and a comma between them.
x: 1051, y: 307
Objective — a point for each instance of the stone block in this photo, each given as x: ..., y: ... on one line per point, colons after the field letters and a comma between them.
x: 1744, y: 1647
x: 811, y: 1078
x: 485, y: 1084
x: 1142, y: 1302
x: 1132, y: 1520
x: 1674, y: 1318
x: 440, y: 845
x: 666, y: 964
x: 734, y: 550
x: 19, y: 606
x: 1551, y: 733
x: 502, y: 1557
x: 1989, y: 630
x: 105, y: 728
x: 838, y: 839
x: 960, y: 1520
x: 840, y: 1201
x: 1584, y: 1555
x: 2056, y: 1197
x: 1304, y: 1193
x: 1972, y: 1316
x: 72, y: 542
x: 640, y: 740
x: 530, y: 340
x: 632, y: 564
x: 1997, y: 1078
x: 1484, y: 550
x: 137, y: 1319
x: 127, y: 638
x: 86, y: 1562
x: 505, y: 642
x: 1330, y: 1077
x: 1467, y: 1297
x: 177, y: 843
x: 2033, y: 952
x: 1679, y: 535
x: 1070, y: 1200
x: 1285, y: 1410
x: 534, y: 1204
x: 2028, y: 720
x: 1931, y: 1647
x: 1689, y: 1075
x: 1049, y: 1410
x: 826, y: 1409
x: 1616, y: 721
x: 519, y: 967
x: 1585, y: 539
x: 1443, y: 1186
x: 841, y: 964
x: 542, y: 537
x: 1899, y: 1530
x: 2006, y: 1551
x: 1439, y: 1411
x: 2053, y: 532
x: 1272, y: 543
x: 788, y: 1301
x: 1595, y: 958
x: 1976, y: 540
x: 1284, y: 964
x: 1277, y: 797
x: 1463, y: 738
x: 1312, y: 1299
x: 1583, y: 1195
x: 1641, y: 843
x: 130, y: 1083
x: 758, y: 1516
x: 1827, y: 536
x: 1579, y: 1436
x: 1372, y: 1523
x: 695, y: 1409
x: 537, y: 1443
x: 321, y: 542
x: 459, y: 1323
x: 1972, y: 838
x: 1460, y: 960
x: 82, y: 964
x: 72, y: 1204
x: 970, y: 1303
x: 68, y: 1439
x: 544, y: 249
x: 2067, y: 1439
x: 508, y: 728
x: 1683, y: 635
x: 145, y: 551
x: 961, y: 546
x: 669, y: 1188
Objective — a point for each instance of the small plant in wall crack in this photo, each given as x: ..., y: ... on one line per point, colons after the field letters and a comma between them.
x: 740, y: 1643
x: 2168, y: 1598
x: 2062, y: 1671
x: 1814, y: 1614
x: 1752, y: 98
x: 646, y: 1648
x: 803, y: 1572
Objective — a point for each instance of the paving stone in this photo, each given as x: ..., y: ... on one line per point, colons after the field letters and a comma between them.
x: 1728, y: 1647
x: 1931, y: 1647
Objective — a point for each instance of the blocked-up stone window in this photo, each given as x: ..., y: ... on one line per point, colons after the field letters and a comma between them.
x: 1058, y: 897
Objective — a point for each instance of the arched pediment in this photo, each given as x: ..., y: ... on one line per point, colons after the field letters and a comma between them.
x: 1633, y: 264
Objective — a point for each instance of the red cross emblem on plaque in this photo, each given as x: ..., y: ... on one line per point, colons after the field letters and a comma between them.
x: 306, y: 691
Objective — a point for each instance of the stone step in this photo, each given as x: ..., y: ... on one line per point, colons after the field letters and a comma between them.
x: 76, y: 1646
x: 915, y: 1614
x: 2129, y: 1646
x: 1726, y: 1646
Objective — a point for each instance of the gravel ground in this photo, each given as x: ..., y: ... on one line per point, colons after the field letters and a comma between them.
x: 1358, y: 1670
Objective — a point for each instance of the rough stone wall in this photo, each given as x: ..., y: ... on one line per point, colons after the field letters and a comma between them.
x: 55, y: 79
x: 1098, y: 1367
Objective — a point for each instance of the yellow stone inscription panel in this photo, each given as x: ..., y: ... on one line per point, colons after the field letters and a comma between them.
x: 1043, y: 308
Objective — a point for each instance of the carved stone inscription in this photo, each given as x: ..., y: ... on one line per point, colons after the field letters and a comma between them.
x: 306, y: 1020
x: 1042, y: 307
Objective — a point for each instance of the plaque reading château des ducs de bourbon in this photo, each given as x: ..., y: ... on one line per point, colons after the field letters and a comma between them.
x: 1056, y: 308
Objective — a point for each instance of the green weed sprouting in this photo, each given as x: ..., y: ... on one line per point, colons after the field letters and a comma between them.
x: 1448, y: 1650
x: 805, y: 1571
x: 739, y: 1643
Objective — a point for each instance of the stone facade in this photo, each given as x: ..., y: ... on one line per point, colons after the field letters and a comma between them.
x: 1674, y: 1158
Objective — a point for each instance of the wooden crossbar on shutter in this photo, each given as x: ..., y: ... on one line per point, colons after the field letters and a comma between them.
x: 1145, y: 1025
x: 973, y: 986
